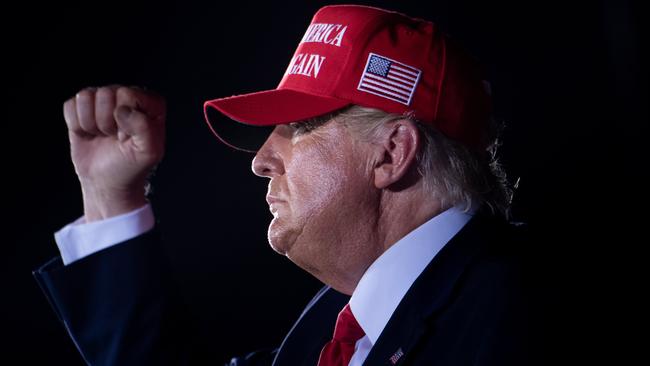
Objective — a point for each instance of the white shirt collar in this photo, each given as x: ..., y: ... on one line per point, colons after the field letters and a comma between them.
x: 389, y: 277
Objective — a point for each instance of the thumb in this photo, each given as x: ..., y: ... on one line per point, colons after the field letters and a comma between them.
x: 130, y: 121
x: 133, y: 124
x: 122, y: 113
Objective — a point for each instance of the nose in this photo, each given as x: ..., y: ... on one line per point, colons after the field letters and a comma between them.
x: 268, y: 160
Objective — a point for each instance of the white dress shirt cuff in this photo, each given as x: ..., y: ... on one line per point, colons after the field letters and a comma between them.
x: 80, y: 239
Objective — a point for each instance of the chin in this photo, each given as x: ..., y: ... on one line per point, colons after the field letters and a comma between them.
x: 279, y: 237
x: 276, y: 247
x: 284, y: 240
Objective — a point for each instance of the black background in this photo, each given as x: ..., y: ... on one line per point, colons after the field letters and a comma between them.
x: 567, y: 79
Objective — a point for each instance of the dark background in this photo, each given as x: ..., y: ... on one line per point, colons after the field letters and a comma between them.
x: 567, y: 79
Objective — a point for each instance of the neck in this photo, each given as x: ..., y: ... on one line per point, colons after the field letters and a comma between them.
x: 403, y: 212
x: 396, y: 215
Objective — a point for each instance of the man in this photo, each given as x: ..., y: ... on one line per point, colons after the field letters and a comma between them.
x: 381, y: 185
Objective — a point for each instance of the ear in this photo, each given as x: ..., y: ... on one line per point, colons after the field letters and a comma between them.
x: 398, y: 146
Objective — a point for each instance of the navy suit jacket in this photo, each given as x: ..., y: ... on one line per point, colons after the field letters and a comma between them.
x: 478, y: 302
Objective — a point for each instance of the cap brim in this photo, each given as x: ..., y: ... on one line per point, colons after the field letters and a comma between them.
x: 263, y: 109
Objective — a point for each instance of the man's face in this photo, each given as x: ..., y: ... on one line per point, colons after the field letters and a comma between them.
x: 320, y: 191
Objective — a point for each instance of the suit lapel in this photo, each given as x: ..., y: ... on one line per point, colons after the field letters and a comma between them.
x: 428, y: 294
x: 314, y: 328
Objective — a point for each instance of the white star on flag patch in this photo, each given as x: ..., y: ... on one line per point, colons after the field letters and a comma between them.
x: 389, y: 79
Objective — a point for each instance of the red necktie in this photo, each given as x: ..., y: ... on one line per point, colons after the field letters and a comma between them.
x: 347, y: 332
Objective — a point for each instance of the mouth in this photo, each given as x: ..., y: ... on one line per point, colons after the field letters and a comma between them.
x: 273, y: 202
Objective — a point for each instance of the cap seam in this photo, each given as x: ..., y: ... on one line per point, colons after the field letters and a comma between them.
x: 367, y: 25
x: 443, y: 75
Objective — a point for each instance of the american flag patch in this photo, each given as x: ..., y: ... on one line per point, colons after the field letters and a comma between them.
x: 389, y: 79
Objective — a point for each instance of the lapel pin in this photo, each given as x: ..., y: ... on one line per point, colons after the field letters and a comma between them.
x: 396, y: 356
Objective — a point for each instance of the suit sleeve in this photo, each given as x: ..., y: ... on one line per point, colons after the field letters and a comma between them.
x: 120, y: 305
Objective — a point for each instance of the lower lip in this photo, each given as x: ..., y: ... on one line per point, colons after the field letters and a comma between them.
x: 274, y: 206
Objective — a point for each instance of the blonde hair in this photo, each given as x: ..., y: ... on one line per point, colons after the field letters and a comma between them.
x: 455, y: 174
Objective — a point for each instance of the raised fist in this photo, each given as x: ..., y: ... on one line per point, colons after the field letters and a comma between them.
x: 117, y: 136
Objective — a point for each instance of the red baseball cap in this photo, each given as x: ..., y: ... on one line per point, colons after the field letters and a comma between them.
x: 371, y: 57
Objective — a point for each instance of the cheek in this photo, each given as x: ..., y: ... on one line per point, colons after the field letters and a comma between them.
x: 329, y: 180
x: 316, y: 183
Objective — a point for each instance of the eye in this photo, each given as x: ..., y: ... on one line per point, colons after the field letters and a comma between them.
x: 300, y: 127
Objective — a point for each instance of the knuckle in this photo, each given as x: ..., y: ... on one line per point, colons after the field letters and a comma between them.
x: 125, y: 92
x: 68, y: 105
x: 69, y: 111
x: 85, y: 93
x: 104, y: 94
x: 113, y: 87
x: 84, y: 100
